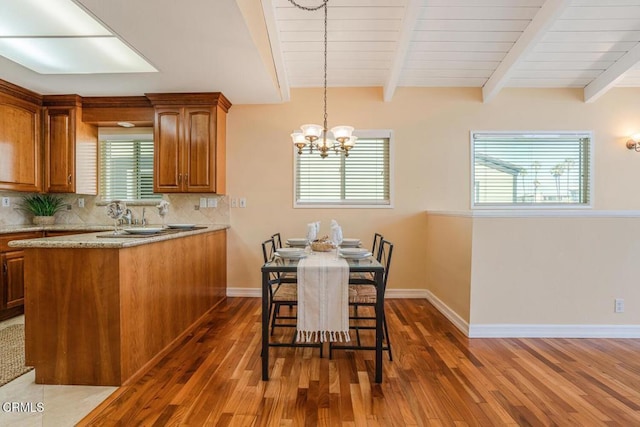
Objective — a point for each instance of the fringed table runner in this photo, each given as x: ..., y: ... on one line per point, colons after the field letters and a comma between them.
x: 323, y: 298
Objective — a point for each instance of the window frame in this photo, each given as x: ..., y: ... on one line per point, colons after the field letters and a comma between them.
x: 124, y: 134
x: 531, y: 206
x: 361, y: 134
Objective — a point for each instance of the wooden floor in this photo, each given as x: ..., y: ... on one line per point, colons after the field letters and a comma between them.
x: 438, y: 377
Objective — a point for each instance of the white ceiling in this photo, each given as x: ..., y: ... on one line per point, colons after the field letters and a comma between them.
x: 255, y: 52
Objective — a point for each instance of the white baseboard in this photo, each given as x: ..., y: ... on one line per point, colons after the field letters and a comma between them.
x: 553, y: 331
x: 453, y: 317
x: 244, y: 292
x: 391, y: 293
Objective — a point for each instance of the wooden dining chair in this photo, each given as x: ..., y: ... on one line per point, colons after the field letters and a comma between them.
x: 281, y: 291
x: 362, y: 293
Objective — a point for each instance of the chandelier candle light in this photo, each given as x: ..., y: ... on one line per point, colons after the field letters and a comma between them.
x: 339, y: 138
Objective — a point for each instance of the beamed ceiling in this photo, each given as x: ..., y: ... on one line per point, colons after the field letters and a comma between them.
x: 257, y: 51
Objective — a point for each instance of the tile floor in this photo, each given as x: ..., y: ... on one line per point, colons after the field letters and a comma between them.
x: 45, y: 405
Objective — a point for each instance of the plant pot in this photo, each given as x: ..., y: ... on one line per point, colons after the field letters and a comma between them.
x: 44, y: 220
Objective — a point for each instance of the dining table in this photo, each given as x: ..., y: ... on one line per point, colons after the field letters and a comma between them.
x: 279, y: 266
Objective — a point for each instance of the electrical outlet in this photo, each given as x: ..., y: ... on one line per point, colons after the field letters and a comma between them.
x: 212, y: 202
x: 68, y: 206
x: 619, y: 305
x: 203, y: 202
x: 234, y: 202
x: 81, y: 202
x: 6, y: 202
x: 196, y: 207
x: 243, y: 202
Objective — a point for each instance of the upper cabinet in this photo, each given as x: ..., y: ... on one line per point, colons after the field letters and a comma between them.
x: 189, y: 142
x: 70, y: 147
x: 20, y: 152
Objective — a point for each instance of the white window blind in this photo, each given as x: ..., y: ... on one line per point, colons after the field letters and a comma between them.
x: 362, y: 179
x: 126, y: 169
x: 531, y: 169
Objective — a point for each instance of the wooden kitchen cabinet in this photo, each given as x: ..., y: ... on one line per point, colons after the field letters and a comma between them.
x: 12, y: 277
x: 189, y: 142
x: 20, y: 136
x: 70, y: 147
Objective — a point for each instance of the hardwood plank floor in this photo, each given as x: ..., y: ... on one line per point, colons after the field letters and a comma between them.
x: 438, y: 377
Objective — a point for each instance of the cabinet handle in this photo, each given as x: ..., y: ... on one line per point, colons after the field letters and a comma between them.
x: 5, y: 268
x: 186, y: 177
x: 69, y: 179
x: 179, y: 178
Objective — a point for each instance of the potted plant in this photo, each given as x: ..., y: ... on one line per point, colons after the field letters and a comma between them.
x: 42, y: 207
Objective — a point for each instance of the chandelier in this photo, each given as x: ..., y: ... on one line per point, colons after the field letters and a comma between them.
x: 339, y: 138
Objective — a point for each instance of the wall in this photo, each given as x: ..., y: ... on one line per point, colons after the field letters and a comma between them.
x: 538, y: 271
x: 448, y: 261
x: 432, y: 172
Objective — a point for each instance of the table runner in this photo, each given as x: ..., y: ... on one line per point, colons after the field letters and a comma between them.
x: 323, y: 298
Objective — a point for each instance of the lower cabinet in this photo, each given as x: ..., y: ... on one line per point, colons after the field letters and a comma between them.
x: 12, y: 277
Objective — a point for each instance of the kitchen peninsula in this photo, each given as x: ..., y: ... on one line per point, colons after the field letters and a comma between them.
x: 102, y: 309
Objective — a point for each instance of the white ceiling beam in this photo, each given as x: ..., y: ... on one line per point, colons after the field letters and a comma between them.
x: 609, y: 77
x: 276, y: 53
x: 539, y: 25
x: 406, y: 32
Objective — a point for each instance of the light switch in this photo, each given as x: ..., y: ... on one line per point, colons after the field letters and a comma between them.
x: 212, y: 202
x: 81, y: 202
x: 6, y: 202
x: 234, y: 202
x: 203, y: 202
x: 243, y: 202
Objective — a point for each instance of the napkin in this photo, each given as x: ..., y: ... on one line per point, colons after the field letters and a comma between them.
x: 312, y: 231
x: 336, y: 232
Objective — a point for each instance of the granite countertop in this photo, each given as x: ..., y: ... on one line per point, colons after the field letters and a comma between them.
x: 103, y: 239
x: 8, y: 229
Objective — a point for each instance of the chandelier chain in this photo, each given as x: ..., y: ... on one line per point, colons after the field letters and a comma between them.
x: 299, y: 6
x: 325, y: 67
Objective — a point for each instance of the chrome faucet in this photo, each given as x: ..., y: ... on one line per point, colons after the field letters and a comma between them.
x: 144, y: 221
x: 128, y: 215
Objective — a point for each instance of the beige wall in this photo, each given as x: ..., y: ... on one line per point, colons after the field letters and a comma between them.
x: 432, y: 172
x: 448, y: 259
x: 555, y: 270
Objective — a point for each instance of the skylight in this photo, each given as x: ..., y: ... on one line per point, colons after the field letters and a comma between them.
x: 59, y: 37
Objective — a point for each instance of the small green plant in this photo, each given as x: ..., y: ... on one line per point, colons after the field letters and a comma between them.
x: 42, y: 204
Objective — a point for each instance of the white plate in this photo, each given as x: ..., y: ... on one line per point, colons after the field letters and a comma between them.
x: 143, y: 230
x: 290, y: 251
x: 350, y: 242
x: 291, y: 255
x: 353, y: 251
x: 181, y: 226
x: 356, y: 256
x: 297, y: 241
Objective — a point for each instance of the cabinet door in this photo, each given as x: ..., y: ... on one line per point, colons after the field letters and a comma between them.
x: 20, y: 159
x: 199, y: 173
x: 60, y: 150
x: 13, y: 270
x: 167, y: 171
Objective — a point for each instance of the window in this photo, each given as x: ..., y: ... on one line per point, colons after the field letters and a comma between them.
x: 360, y: 180
x: 126, y: 165
x: 531, y: 169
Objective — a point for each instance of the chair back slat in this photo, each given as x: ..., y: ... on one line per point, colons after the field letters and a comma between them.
x: 277, y: 240
x: 386, y: 250
x: 268, y: 249
x: 377, y: 240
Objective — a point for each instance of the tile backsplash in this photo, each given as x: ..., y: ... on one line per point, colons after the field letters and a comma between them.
x: 181, y: 210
